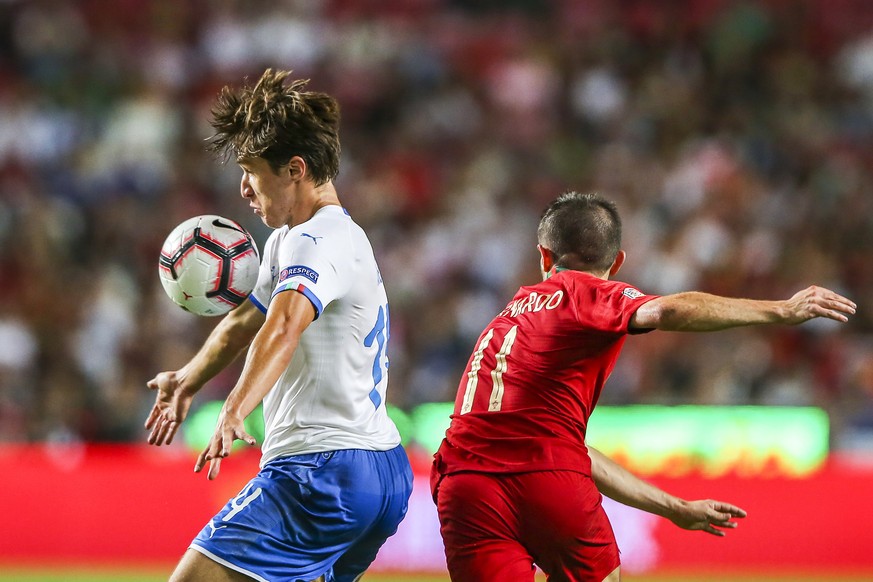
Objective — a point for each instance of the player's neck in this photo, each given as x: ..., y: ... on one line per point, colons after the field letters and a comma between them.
x: 313, y: 200
x: 556, y: 269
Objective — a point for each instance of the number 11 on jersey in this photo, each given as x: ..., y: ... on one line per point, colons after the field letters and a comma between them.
x: 496, y: 398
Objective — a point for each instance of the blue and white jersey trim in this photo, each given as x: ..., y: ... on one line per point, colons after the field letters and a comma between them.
x: 301, y: 288
x: 258, y: 304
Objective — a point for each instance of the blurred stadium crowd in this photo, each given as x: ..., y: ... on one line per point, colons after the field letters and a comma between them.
x: 737, y: 139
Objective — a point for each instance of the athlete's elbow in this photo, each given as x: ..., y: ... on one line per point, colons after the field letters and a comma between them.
x: 657, y: 314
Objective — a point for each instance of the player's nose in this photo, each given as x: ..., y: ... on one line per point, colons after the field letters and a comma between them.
x: 245, y: 187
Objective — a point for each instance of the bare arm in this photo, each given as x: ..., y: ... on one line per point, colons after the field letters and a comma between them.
x: 695, y: 311
x: 176, y: 388
x: 617, y: 483
x: 269, y: 355
x: 229, y: 338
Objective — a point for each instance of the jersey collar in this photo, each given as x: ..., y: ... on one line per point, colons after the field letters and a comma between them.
x: 556, y: 270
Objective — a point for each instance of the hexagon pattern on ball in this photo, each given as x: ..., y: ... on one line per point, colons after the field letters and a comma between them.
x: 209, y: 265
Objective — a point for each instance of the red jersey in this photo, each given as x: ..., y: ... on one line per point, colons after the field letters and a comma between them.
x: 535, y: 376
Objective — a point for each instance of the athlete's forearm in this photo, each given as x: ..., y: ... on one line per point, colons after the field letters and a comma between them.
x: 226, y: 341
x: 619, y: 484
x: 269, y: 356
x: 695, y: 311
x: 270, y: 352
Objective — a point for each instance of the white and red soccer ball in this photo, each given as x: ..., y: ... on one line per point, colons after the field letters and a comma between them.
x: 209, y: 265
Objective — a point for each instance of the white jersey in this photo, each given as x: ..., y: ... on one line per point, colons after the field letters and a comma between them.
x: 332, y: 395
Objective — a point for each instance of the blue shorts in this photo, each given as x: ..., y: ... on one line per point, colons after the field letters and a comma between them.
x: 305, y: 516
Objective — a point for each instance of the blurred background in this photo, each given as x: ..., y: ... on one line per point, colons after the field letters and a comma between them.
x: 736, y: 138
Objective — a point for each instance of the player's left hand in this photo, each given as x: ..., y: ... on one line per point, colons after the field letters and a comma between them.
x: 228, y: 429
x: 707, y: 515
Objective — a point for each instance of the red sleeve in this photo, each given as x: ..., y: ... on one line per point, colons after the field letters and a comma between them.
x: 606, y: 306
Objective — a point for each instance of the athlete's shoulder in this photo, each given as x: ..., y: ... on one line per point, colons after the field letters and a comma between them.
x: 327, y: 228
x: 565, y: 283
x: 546, y: 295
x: 582, y: 281
x: 277, y: 234
x: 325, y: 217
x: 274, y: 240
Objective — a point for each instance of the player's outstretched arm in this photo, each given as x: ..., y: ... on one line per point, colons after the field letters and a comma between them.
x: 619, y: 484
x: 696, y: 311
x: 705, y: 515
x: 176, y: 388
x: 270, y: 353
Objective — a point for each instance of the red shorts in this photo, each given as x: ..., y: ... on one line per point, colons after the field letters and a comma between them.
x: 495, y: 527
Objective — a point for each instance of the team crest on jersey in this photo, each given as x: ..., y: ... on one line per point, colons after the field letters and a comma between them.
x: 298, y: 270
x: 632, y: 293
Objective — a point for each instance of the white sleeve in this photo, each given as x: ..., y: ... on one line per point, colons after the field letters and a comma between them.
x: 319, y: 268
x: 261, y: 294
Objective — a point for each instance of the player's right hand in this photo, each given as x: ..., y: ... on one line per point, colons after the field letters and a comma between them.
x: 170, y: 409
x: 707, y: 515
x: 228, y: 428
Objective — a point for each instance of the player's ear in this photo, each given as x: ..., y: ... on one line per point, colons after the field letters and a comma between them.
x: 296, y: 168
x: 547, y: 260
x: 617, y: 263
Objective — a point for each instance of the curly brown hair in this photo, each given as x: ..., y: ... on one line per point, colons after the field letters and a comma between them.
x: 276, y: 121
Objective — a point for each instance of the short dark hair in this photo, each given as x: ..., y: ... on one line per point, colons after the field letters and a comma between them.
x: 277, y: 121
x: 581, y: 229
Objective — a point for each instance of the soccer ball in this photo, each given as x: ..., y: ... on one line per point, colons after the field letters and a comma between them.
x: 209, y: 265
